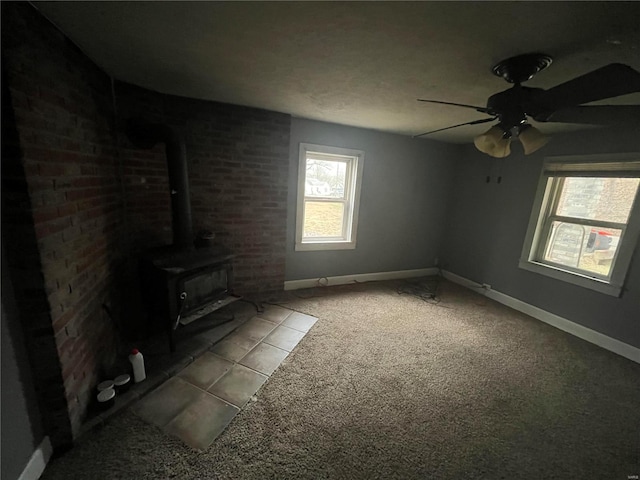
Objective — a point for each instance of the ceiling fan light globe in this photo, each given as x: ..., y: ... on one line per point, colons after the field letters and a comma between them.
x: 493, y: 143
x: 532, y: 139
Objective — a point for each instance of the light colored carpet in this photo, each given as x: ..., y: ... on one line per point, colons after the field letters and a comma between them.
x: 388, y: 386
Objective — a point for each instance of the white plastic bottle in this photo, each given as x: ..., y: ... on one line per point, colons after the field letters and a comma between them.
x: 137, y: 361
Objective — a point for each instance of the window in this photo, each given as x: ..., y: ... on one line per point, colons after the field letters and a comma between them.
x: 585, y: 221
x: 328, y: 196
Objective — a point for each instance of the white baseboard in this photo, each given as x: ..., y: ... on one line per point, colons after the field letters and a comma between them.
x: 360, y: 277
x: 465, y: 282
x: 38, y: 461
x: 597, y: 338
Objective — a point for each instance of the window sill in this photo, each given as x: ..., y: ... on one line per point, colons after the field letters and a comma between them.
x: 311, y: 246
x: 571, y: 277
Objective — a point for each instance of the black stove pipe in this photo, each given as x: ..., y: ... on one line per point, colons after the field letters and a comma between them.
x: 144, y: 134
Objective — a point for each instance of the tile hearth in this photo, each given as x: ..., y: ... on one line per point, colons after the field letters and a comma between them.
x: 198, y: 403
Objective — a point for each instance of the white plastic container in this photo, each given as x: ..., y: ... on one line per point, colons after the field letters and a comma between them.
x: 137, y: 361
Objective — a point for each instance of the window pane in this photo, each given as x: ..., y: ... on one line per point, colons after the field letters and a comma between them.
x: 325, y: 178
x: 323, y: 219
x: 587, y: 248
x: 607, y: 199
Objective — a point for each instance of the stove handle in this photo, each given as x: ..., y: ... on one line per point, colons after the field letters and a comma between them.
x: 183, y: 298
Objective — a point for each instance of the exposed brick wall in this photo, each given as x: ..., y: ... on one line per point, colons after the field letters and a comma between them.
x: 238, y: 161
x: 23, y: 263
x: 146, y: 183
x: 80, y: 203
x: 63, y: 114
x: 148, y: 203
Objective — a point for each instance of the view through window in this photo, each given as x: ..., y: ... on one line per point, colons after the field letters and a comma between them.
x: 328, y: 197
x: 590, y: 217
x: 586, y: 221
x: 325, y: 199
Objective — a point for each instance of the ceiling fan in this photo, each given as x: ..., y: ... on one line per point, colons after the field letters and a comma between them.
x: 563, y: 103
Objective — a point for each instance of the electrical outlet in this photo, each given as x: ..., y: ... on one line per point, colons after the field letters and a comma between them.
x: 436, y: 261
x: 486, y: 286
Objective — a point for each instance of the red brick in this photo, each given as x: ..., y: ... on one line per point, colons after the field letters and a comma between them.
x: 67, y: 209
x: 51, y: 170
x: 44, y: 214
x: 66, y: 156
x: 51, y: 227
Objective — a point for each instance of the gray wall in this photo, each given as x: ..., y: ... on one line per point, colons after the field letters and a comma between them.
x: 402, y: 204
x: 487, y: 223
x: 21, y: 424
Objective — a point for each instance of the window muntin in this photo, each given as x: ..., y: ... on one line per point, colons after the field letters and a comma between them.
x: 587, y: 222
x: 328, y: 195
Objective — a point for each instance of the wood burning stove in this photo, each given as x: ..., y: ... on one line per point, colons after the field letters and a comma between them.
x: 182, y: 286
x: 180, y: 283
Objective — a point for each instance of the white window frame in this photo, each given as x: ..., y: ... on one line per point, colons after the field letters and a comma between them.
x: 613, y: 165
x: 351, y: 200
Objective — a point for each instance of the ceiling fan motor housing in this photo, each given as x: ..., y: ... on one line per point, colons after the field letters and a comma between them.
x: 511, y: 106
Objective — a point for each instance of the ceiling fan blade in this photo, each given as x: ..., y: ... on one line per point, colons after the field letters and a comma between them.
x: 609, y: 81
x: 597, y: 115
x: 475, y: 122
x: 479, y: 109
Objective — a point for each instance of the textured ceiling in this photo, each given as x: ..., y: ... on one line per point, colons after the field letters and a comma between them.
x: 355, y: 63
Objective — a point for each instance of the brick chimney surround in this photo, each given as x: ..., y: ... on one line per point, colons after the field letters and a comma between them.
x: 80, y: 203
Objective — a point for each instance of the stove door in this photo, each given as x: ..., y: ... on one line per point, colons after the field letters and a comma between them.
x: 203, y: 287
